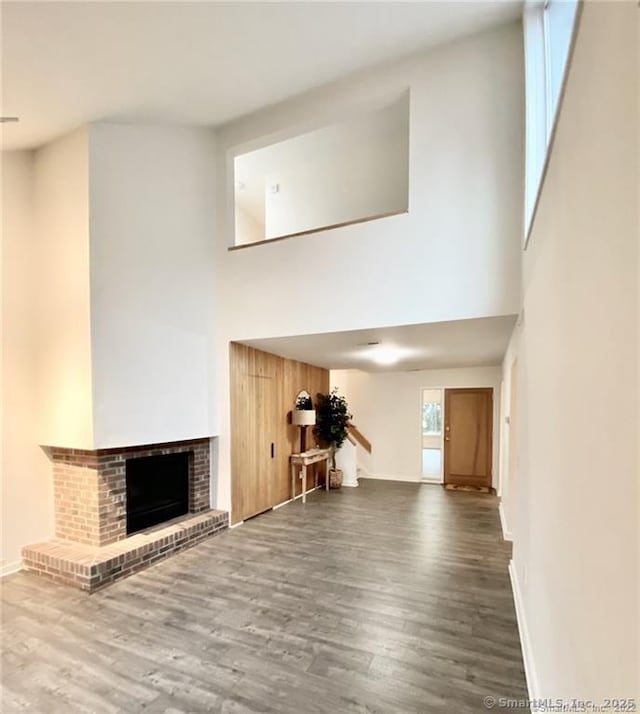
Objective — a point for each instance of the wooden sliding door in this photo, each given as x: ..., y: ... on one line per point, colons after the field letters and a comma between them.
x: 255, y: 411
x: 263, y: 392
x: 468, y: 439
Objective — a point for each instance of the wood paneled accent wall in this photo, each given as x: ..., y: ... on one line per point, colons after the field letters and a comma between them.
x: 263, y: 393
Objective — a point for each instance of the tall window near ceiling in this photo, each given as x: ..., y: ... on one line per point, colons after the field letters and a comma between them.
x: 548, y: 31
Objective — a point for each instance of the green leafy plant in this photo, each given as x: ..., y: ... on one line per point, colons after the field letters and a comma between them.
x: 332, y: 421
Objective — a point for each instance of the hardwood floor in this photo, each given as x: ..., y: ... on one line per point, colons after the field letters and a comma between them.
x: 389, y: 598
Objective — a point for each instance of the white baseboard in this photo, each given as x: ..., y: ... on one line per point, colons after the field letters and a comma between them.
x: 432, y: 481
x: 284, y: 503
x: 387, y: 477
x: 290, y: 500
x: 363, y: 473
x: 9, y: 568
x: 506, y: 533
x: 525, y: 638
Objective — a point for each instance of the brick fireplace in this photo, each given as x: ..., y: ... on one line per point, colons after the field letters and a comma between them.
x: 90, y: 489
x: 91, y: 547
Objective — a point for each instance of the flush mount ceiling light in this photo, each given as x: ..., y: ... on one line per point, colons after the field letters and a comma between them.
x: 385, y: 355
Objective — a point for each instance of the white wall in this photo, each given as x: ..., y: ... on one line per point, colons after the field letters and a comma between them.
x: 455, y: 255
x: 27, y: 499
x: 152, y: 234
x: 387, y: 408
x: 107, y: 303
x: 62, y: 320
x: 575, y: 510
x: 465, y: 204
x: 248, y: 229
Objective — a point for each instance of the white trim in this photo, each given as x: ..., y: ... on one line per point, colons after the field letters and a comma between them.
x: 279, y: 505
x: 307, y: 492
x: 388, y: 477
x: 501, y: 434
x: 235, y: 525
x: 506, y: 533
x: 434, y: 481
x: 10, y: 568
x: 525, y: 638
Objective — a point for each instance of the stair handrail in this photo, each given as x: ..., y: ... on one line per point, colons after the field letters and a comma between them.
x: 359, y: 437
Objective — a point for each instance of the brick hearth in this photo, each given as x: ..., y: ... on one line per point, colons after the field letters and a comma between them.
x: 90, y: 568
x: 91, y: 547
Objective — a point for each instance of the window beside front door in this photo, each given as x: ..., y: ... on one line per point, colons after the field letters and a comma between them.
x: 432, y: 420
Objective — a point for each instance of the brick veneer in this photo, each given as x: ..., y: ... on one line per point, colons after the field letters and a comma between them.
x: 90, y: 488
x: 91, y: 548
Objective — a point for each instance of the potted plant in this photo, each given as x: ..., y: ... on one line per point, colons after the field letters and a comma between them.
x: 332, y: 424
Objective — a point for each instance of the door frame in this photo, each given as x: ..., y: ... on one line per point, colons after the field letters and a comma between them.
x: 490, y: 434
x: 508, y: 476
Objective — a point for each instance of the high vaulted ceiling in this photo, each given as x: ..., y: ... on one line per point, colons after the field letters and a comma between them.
x: 202, y: 63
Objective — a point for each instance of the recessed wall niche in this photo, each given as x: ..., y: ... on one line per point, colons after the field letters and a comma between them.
x: 348, y: 172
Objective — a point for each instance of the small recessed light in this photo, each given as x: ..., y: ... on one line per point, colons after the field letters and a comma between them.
x: 6, y: 120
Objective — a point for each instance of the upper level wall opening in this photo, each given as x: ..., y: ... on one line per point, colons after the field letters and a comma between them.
x: 347, y: 172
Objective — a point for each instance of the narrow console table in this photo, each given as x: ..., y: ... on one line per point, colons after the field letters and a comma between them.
x: 300, y: 462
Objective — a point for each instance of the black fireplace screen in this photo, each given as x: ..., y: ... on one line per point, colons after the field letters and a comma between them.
x: 157, y: 489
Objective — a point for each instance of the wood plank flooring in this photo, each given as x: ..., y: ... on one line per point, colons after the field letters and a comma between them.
x: 386, y: 599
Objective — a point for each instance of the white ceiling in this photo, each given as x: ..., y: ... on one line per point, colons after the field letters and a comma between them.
x: 436, y: 345
x: 201, y: 63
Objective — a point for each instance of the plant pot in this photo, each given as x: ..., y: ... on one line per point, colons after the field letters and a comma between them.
x: 335, y: 478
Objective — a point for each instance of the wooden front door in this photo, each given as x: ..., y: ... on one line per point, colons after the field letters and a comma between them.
x: 468, y: 415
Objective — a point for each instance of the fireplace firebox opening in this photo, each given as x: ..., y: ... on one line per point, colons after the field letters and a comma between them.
x: 157, y: 489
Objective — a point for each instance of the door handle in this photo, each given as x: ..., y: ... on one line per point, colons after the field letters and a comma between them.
x: 273, y: 450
